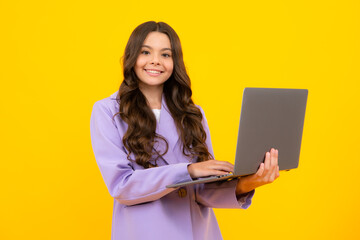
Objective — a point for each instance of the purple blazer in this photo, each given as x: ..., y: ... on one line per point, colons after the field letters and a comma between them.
x: 143, y: 207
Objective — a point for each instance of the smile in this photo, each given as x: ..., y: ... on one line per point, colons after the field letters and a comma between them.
x: 153, y: 72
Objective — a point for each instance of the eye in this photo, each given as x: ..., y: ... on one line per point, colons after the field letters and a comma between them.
x: 145, y: 52
x: 166, y: 55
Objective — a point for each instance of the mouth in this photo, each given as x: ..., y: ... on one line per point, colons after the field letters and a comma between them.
x: 153, y: 72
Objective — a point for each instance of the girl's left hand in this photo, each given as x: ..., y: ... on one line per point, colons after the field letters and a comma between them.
x: 267, y: 173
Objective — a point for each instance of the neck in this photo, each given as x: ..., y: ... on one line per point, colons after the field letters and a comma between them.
x: 153, y: 95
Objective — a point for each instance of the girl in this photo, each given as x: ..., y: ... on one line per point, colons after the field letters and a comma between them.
x: 150, y: 134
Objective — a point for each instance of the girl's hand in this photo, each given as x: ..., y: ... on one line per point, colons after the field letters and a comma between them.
x: 267, y: 173
x: 209, y: 168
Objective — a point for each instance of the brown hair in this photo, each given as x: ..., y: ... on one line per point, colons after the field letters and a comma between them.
x: 140, y: 136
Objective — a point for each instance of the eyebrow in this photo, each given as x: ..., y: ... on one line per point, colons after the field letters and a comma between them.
x: 163, y: 49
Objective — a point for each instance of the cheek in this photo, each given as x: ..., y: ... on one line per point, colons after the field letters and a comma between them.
x: 138, y: 69
x: 140, y: 63
x: 170, y: 66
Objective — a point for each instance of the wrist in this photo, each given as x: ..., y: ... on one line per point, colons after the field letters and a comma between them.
x: 190, y: 170
x: 242, y: 186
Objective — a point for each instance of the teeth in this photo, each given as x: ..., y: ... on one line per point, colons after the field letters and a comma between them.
x: 151, y: 71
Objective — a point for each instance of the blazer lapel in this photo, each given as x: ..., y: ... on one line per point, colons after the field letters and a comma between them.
x: 166, y: 127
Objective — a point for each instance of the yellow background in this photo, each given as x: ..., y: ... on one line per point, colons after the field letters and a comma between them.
x: 59, y: 57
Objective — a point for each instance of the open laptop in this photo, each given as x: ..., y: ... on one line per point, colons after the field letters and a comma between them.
x: 270, y: 118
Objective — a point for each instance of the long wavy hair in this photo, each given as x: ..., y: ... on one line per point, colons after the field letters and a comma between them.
x: 140, y: 136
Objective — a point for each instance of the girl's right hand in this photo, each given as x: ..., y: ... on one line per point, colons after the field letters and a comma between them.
x: 210, y: 168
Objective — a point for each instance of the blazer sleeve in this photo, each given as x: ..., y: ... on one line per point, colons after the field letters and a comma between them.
x: 220, y: 194
x: 126, y: 185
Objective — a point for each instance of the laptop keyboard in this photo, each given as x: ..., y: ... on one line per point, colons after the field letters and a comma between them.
x: 225, y: 175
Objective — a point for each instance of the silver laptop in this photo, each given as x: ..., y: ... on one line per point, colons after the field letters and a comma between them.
x: 270, y: 118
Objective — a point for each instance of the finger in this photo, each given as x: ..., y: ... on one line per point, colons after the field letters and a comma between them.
x: 267, y: 162
x: 273, y: 159
x: 221, y: 168
x: 217, y: 173
x: 273, y: 166
x: 277, y: 174
x: 222, y: 165
x: 228, y: 165
x: 261, y: 169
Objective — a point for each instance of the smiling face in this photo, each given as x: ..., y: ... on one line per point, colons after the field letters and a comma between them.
x: 154, y: 64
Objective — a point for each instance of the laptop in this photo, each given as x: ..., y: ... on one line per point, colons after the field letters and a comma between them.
x: 270, y: 118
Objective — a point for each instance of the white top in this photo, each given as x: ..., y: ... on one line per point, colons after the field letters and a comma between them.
x: 157, y: 114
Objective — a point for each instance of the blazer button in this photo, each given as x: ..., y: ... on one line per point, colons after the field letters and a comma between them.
x: 182, y: 192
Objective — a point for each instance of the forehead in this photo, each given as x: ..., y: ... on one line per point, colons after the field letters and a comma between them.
x: 157, y: 40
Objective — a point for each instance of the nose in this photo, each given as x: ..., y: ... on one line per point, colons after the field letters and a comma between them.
x: 155, y: 60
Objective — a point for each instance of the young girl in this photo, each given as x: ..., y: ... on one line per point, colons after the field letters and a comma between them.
x: 150, y: 134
